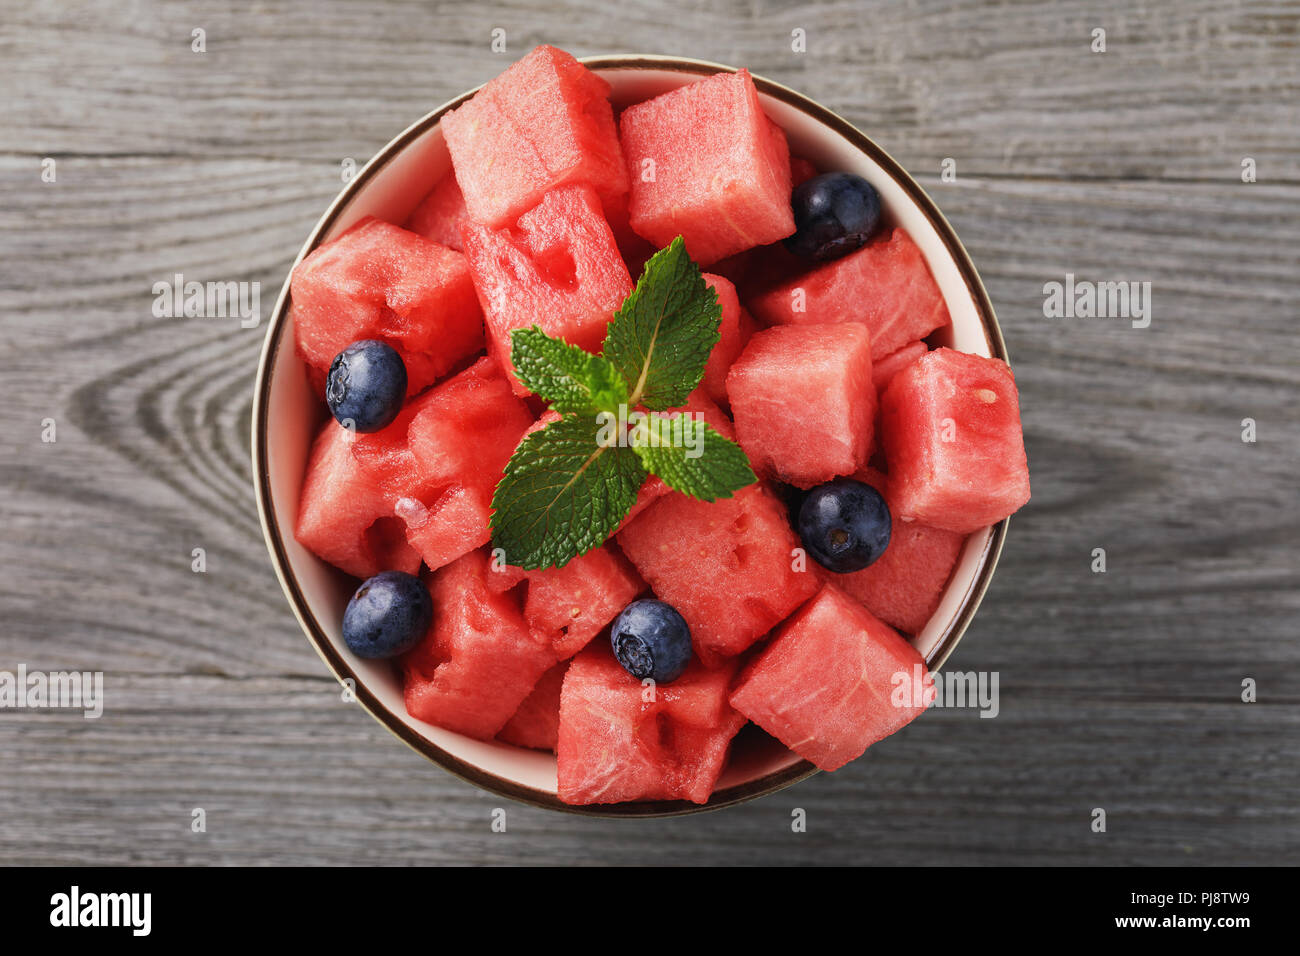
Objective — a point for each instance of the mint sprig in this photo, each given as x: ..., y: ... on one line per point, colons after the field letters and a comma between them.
x: 691, y: 457
x: 562, y: 495
x: 570, y: 378
x: 568, y: 486
x: 662, y: 336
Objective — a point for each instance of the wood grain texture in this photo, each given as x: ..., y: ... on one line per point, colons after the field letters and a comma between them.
x: 1119, y: 690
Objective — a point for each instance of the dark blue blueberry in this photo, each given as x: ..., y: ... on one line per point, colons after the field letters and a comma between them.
x: 651, y: 639
x: 388, y: 615
x: 366, y: 385
x: 844, y: 525
x: 834, y: 214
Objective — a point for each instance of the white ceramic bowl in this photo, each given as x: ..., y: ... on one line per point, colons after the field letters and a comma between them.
x: 286, y: 415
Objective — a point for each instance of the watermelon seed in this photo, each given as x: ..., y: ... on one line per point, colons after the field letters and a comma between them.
x: 986, y: 395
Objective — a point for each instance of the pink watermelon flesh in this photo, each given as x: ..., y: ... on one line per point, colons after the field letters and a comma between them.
x: 378, y: 281
x: 734, y: 331
x: 803, y: 401
x: 440, y: 460
x: 953, y: 441
x: 725, y: 565
x: 559, y: 268
x: 345, y: 517
x: 904, y: 585
x: 536, y: 724
x: 479, y: 661
x: 883, y: 371
x: 825, y: 685
x: 572, y: 604
x: 653, y: 489
x: 801, y: 170
x: 455, y: 524
x: 439, y: 215
x: 708, y: 165
x: 614, y: 745
x: 635, y: 250
x: 468, y: 427
x: 543, y: 123
x: 885, y: 285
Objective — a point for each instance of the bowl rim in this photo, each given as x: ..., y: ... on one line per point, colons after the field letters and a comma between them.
x: 271, y: 532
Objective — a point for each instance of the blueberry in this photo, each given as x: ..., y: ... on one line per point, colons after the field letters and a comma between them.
x: 844, y: 525
x: 388, y: 615
x: 834, y: 213
x: 651, y: 639
x: 366, y: 385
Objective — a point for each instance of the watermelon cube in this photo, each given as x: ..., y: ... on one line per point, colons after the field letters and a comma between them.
x: 904, y: 585
x: 885, y: 285
x: 572, y: 604
x: 803, y: 401
x: 559, y: 268
x: 479, y: 661
x: 466, y: 428
x: 826, y: 685
x: 536, y: 724
x: 619, y: 740
x: 454, y: 524
x: 707, y: 164
x: 440, y: 460
x: 734, y: 331
x: 439, y: 215
x: 346, y: 517
x: 727, y: 566
x: 952, y: 436
x: 545, y: 122
x: 883, y: 371
x: 379, y: 281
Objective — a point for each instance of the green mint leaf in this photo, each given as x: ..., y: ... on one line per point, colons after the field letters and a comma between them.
x: 571, y: 379
x: 661, y: 337
x: 691, y: 457
x: 562, y: 494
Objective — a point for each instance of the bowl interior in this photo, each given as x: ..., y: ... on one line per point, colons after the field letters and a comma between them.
x: 288, y: 414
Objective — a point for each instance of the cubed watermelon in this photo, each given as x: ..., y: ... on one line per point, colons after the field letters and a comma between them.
x: 619, y: 740
x: 707, y: 164
x: 559, y: 268
x: 386, y: 457
x: 801, y: 170
x: 826, y: 684
x: 953, y: 441
x: 441, y: 458
x: 885, y: 285
x: 545, y: 122
x: 344, y: 516
x: 734, y: 332
x: 467, y: 428
x: 439, y: 215
x: 572, y: 604
x: 536, y: 724
x: 454, y: 523
x: 803, y: 401
x: 883, y: 371
x: 653, y: 489
x: 905, y: 584
x: 379, y: 281
x: 480, y: 660
x: 727, y: 565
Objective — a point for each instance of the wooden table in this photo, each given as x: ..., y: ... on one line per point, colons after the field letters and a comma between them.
x: 1119, y: 690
